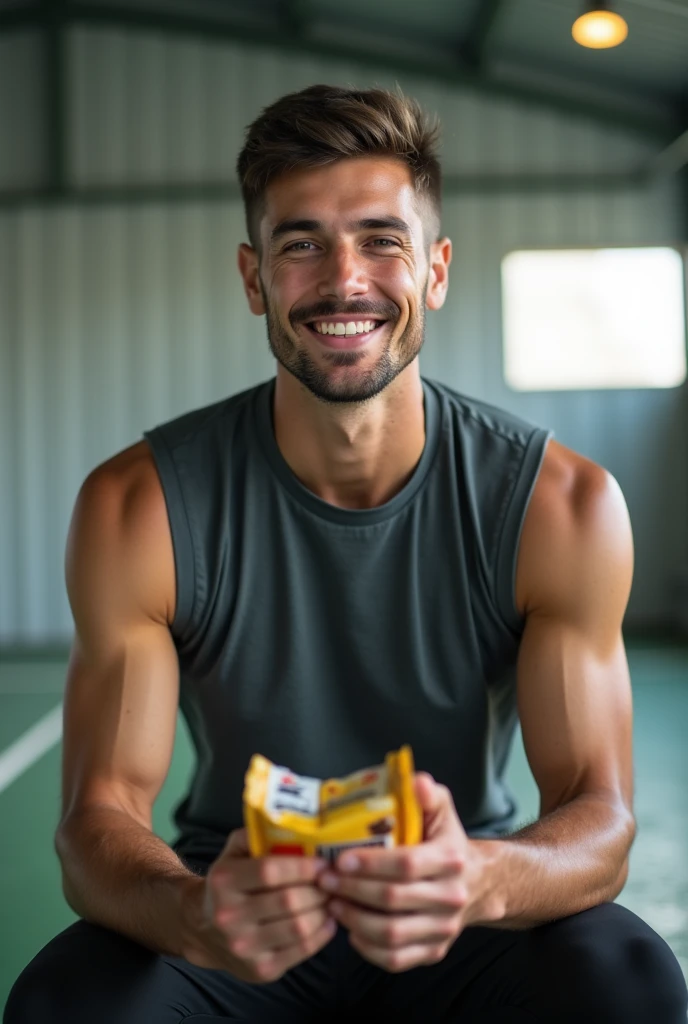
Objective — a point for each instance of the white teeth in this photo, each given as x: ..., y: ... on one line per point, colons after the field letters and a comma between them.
x: 351, y: 327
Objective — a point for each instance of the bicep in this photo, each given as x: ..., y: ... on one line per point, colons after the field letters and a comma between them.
x: 574, y: 692
x: 121, y: 695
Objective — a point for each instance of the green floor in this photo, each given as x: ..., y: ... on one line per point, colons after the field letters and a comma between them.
x: 33, y: 910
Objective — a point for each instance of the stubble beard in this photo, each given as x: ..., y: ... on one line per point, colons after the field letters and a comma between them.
x: 358, y: 386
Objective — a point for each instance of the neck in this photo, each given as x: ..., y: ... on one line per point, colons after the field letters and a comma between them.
x: 351, y: 455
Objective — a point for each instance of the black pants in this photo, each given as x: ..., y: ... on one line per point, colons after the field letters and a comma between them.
x: 602, y: 966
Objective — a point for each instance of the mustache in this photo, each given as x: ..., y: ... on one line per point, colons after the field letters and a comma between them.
x: 305, y: 314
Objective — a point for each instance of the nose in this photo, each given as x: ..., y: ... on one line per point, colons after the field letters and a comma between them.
x: 344, y: 275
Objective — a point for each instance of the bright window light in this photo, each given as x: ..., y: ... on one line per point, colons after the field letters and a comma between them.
x: 594, y: 318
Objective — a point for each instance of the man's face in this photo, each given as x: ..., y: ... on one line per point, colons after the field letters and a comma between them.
x: 344, y: 241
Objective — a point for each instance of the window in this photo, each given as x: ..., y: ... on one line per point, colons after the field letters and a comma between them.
x: 594, y: 318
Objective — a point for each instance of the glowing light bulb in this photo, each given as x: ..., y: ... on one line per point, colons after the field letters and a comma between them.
x: 599, y: 29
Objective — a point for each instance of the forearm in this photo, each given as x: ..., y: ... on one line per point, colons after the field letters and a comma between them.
x: 116, y: 873
x: 568, y: 861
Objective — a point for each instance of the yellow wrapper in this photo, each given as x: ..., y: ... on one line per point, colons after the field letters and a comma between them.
x: 298, y: 815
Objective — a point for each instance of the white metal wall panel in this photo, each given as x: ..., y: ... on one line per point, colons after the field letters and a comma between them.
x: 21, y: 119
x: 115, y: 318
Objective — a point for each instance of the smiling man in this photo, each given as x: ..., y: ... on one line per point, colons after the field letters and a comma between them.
x: 343, y: 559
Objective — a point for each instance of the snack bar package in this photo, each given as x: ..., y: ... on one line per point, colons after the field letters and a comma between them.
x: 297, y: 815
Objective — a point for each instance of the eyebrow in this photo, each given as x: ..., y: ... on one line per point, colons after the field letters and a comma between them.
x: 288, y: 226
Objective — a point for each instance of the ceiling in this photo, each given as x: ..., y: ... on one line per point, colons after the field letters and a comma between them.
x: 519, y: 48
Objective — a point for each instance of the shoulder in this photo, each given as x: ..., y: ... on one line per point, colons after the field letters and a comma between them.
x: 576, y: 541
x: 120, y: 529
x: 482, y: 416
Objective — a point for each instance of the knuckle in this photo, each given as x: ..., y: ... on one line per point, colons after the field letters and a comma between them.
x: 219, y: 879
x: 438, y: 953
x: 289, y: 900
x: 267, y: 970
x: 237, y: 945
x: 267, y: 873
x: 454, y: 861
x: 390, y: 896
x: 299, y: 927
x: 456, y: 897
x: 390, y: 934
x: 395, y: 962
x: 406, y: 865
x: 221, y: 919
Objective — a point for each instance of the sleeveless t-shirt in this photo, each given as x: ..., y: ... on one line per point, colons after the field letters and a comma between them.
x: 323, y: 637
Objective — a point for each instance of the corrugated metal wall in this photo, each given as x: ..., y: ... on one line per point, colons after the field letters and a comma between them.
x: 114, y: 318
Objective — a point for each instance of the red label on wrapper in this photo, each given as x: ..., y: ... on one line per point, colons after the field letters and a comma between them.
x: 286, y: 848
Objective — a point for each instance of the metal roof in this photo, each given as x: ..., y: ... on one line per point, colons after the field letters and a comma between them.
x: 489, y: 41
x: 521, y: 51
x: 505, y: 40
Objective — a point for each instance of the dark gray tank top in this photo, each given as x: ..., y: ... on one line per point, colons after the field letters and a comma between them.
x: 323, y: 637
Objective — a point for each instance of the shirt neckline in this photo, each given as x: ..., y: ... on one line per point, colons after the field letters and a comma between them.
x: 355, y: 517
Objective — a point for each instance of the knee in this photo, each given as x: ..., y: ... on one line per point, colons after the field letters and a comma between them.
x: 81, y: 975
x: 653, y: 979
x: 31, y: 997
x: 617, y: 969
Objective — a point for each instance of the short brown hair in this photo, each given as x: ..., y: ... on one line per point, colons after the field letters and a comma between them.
x: 324, y: 123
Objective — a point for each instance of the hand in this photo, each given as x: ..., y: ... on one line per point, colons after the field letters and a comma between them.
x: 405, y: 907
x: 256, y: 916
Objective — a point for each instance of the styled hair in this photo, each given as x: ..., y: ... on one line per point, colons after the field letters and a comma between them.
x: 324, y: 123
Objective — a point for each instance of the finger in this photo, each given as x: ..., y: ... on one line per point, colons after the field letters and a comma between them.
x: 405, y: 863
x: 280, y: 903
x: 397, y: 960
x: 257, y: 874
x: 276, y: 935
x: 439, y: 895
x: 272, y: 964
x: 239, y: 910
x: 394, y: 931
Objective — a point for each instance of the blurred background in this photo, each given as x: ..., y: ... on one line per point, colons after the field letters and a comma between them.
x: 565, y: 196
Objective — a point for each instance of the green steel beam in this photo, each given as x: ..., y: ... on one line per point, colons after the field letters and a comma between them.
x: 53, y: 22
x: 20, y: 17
x: 295, y: 16
x: 474, y: 47
x: 661, y: 128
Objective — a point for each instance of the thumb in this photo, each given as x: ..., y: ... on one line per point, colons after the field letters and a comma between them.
x: 437, y: 806
x: 237, y: 844
x: 428, y: 793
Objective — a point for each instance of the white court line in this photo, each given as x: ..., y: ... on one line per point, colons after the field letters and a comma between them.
x: 35, y: 742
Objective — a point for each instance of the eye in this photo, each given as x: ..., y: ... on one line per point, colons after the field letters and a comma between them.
x: 388, y: 241
x: 293, y: 246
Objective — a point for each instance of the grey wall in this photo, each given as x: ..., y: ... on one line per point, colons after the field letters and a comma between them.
x: 114, y: 318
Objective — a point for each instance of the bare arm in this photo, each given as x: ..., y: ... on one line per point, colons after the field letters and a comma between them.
x: 120, y: 707
x: 253, y: 917
x: 574, y: 695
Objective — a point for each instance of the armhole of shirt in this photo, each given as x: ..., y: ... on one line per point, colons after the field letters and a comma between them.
x: 512, y: 525
x: 182, y: 540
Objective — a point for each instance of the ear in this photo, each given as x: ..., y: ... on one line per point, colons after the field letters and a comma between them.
x: 438, y: 276
x: 249, y: 268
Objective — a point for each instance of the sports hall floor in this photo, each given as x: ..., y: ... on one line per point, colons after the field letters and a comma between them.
x: 32, y: 908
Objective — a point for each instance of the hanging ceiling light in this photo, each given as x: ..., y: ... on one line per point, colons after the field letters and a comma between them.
x: 599, y: 28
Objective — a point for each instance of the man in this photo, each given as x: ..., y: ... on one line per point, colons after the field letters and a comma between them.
x: 344, y: 559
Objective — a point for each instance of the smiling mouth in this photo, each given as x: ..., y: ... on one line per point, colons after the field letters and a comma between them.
x: 363, y: 328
